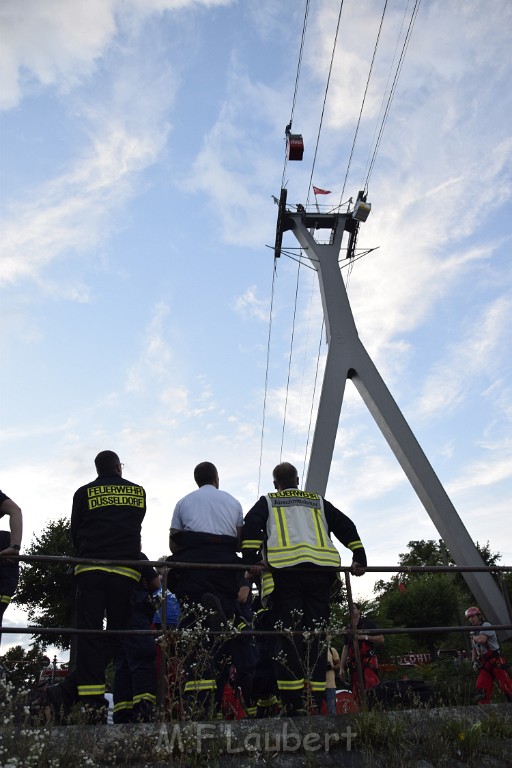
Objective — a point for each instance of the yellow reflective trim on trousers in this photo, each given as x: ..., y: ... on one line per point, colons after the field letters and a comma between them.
x: 281, y: 527
x: 267, y: 584
x: 355, y: 545
x: 128, y: 572
x: 290, y: 685
x: 144, y: 697
x: 252, y: 544
x: 270, y: 702
x: 91, y: 690
x: 5, y: 599
x: 122, y: 705
x: 319, y: 529
x: 200, y: 685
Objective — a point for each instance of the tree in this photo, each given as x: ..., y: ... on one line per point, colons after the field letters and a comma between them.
x: 24, y: 667
x: 429, y: 601
x: 434, y: 599
x: 433, y: 553
x: 45, y: 589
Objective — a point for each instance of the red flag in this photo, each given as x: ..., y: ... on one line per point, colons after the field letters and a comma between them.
x: 319, y: 191
x: 402, y: 587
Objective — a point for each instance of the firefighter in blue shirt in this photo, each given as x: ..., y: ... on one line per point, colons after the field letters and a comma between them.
x: 289, y: 531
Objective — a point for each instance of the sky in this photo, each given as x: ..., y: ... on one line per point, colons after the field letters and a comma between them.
x: 141, y: 142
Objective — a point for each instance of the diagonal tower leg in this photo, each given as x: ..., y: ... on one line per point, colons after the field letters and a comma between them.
x: 348, y: 358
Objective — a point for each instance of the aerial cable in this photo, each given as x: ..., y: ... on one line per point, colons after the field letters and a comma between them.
x: 299, y: 262
x: 363, y: 102
x: 393, y: 86
x: 312, y: 296
x: 350, y: 260
x: 307, y: 202
x: 297, y: 76
x: 266, y: 374
x: 289, y: 363
x: 325, y: 99
x: 313, y: 398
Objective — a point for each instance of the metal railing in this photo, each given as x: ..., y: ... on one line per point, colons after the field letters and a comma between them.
x: 165, y: 567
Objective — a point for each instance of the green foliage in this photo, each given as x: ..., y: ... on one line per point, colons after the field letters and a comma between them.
x: 465, y: 739
x: 23, y: 667
x: 433, y: 553
x: 428, y: 601
x: 382, y: 740
x: 435, y: 599
x: 453, y: 682
x: 496, y: 726
x: 423, y: 552
x: 46, y: 590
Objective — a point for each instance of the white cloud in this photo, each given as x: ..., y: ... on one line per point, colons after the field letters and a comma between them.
x: 467, y: 360
x: 156, y: 356
x: 52, y: 42
x: 70, y: 213
x: 484, y: 472
x: 59, y: 43
x: 248, y: 305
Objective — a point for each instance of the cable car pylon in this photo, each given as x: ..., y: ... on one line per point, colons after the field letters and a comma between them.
x: 347, y: 358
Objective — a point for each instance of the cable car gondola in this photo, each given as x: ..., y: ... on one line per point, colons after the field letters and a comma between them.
x: 294, y: 146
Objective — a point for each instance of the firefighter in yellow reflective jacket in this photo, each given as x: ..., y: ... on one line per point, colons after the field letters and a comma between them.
x: 290, y: 531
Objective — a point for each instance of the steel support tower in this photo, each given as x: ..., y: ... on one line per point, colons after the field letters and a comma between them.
x: 347, y: 358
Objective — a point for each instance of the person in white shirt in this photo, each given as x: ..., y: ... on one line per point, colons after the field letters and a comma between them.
x: 206, y: 527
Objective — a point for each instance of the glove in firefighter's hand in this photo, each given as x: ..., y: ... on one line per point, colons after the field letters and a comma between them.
x: 357, y: 569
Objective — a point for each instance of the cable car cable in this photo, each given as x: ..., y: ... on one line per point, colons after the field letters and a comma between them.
x: 297, y: 77
x: 266, y: 374
x: 288, y: 129
x: 289, y: 363
x: 393, y: 89
x: 325, y: 99
x: 377, y: 145
x: 316, y: 148
x: 313, y: 398
x: 363, y: 101
x: 312, y: 296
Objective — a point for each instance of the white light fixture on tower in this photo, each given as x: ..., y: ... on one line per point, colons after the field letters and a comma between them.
x: 361, y: 210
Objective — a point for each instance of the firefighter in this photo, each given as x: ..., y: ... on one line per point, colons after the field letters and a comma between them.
x: 488, y: 661
x: 106, y: 522
x: 289, y: 530
x: 135, y: 664
x: 10, y: 544
x: 367, y: 654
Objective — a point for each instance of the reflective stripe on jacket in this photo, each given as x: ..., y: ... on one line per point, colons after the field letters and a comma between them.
x: 297, y: 530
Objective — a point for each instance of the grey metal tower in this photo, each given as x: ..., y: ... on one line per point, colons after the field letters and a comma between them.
x: 347, y: 358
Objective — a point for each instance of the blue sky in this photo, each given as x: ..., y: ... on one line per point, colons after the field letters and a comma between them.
x: 141, y: 142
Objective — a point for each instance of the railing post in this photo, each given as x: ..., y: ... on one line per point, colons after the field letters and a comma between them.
x: 357, y: 656
x: 505, y: 593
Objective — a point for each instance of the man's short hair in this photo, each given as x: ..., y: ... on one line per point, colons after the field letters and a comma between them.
x: 205, y: 474
x: 285, y: 475
x: 106, y: 461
